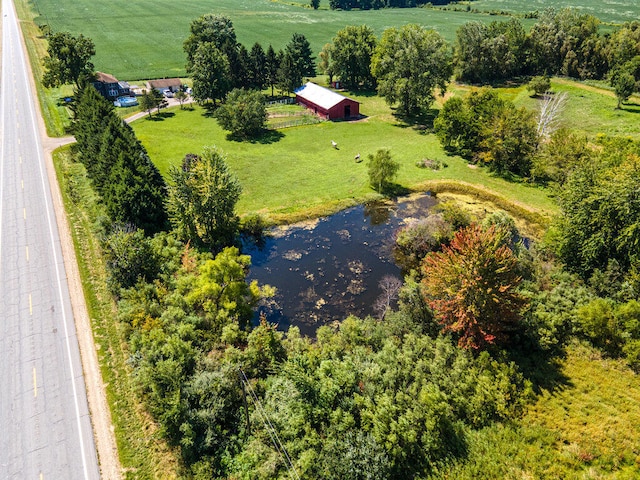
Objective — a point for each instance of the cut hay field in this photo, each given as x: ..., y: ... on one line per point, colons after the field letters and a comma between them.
x: 143, y: 39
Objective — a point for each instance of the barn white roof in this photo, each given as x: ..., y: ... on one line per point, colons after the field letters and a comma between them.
x: 323, y: 97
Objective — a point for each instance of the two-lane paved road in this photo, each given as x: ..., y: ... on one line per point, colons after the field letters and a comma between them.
x: 45, y: 428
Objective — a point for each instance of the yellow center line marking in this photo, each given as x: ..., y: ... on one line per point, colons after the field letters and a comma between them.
x: 30, y: 306
x: 18, y: 141
x: 35, y: 383
x: 22, y: 184
x: 24, y: 213
x: 20, y: 157
x: 41, y: 477
x: 27, y: 251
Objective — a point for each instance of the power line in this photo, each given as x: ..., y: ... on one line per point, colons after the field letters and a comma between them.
x: 275, y: 439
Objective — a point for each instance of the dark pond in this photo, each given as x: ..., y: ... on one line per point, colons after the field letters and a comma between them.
x: 332, y: 268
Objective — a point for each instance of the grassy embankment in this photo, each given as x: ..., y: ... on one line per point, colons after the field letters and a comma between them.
x: 56, y: 116
x: 143, y: 454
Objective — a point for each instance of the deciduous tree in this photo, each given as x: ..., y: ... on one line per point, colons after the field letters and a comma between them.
x: 538, y: 85
x: 147, y: 101
x: 243, y: 113
x: 351, y: 55
x: 68, y: 60
x: 382, y: 169
x: 202, y: 198
x: 624, y: 84
x: 409, y: 64
x: 209, y: 28
x: 472, y: 287
x: 210, y: 73
x: 181, y: 97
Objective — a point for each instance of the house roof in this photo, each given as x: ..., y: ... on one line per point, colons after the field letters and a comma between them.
x: 105, y: 78
x: 323, y: 97
x: 164, y: 83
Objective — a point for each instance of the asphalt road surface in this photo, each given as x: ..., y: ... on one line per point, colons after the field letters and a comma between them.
x: 45, y: 428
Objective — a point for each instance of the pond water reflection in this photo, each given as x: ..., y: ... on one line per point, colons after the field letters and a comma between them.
x: 330, y: 269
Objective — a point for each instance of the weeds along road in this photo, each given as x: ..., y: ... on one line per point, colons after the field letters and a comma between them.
x: 44, y: 419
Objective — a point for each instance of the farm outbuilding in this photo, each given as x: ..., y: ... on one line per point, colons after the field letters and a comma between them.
x: 327, y: 103
x: 173, y: 84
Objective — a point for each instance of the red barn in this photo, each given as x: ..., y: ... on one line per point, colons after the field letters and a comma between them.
x: 327, y: 103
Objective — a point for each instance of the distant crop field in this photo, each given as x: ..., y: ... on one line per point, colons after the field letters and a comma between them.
x: 143, y: 39
x: 611, y: 11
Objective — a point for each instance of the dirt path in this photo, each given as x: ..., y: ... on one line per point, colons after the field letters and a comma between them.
x: 590, y: 88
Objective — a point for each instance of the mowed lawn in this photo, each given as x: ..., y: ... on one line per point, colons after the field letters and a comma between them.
x: 143, y: 39
x: 296, y: 170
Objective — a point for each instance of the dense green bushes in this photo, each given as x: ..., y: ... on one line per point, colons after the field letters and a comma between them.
x: 487, y: 129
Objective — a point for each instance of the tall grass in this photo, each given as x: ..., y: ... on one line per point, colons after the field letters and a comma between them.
x: 585, y: 427
x: 618, y: 11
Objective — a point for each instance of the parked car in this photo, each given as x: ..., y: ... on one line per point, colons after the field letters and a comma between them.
x: 167, y: 93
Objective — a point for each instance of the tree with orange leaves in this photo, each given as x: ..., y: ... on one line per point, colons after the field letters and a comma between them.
x: 471, y: 286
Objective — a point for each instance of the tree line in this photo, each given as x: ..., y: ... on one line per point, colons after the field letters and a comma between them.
x: 130, y: 185
x: 378, y: 4
x: 217, y: 63
x: 561, y: 42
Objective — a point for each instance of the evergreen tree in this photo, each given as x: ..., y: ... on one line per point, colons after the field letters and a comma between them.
x: 300, y: 61
x: 93, y: 112
x: 289, y: 75
x: 272, y: 67
x: 257, y: 67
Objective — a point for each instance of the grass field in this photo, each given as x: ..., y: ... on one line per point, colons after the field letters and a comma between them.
x: 612, y: 11
x: 296, y: 169
x: 143, y: 39
x: 590, y: 109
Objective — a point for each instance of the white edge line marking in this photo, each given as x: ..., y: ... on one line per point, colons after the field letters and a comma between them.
x: 5, y: 49
x: 65, y: 322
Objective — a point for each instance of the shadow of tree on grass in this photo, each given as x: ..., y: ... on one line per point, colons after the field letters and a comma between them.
x: 265, y: 137
x: 421, y: 121
x: 160, y: 117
